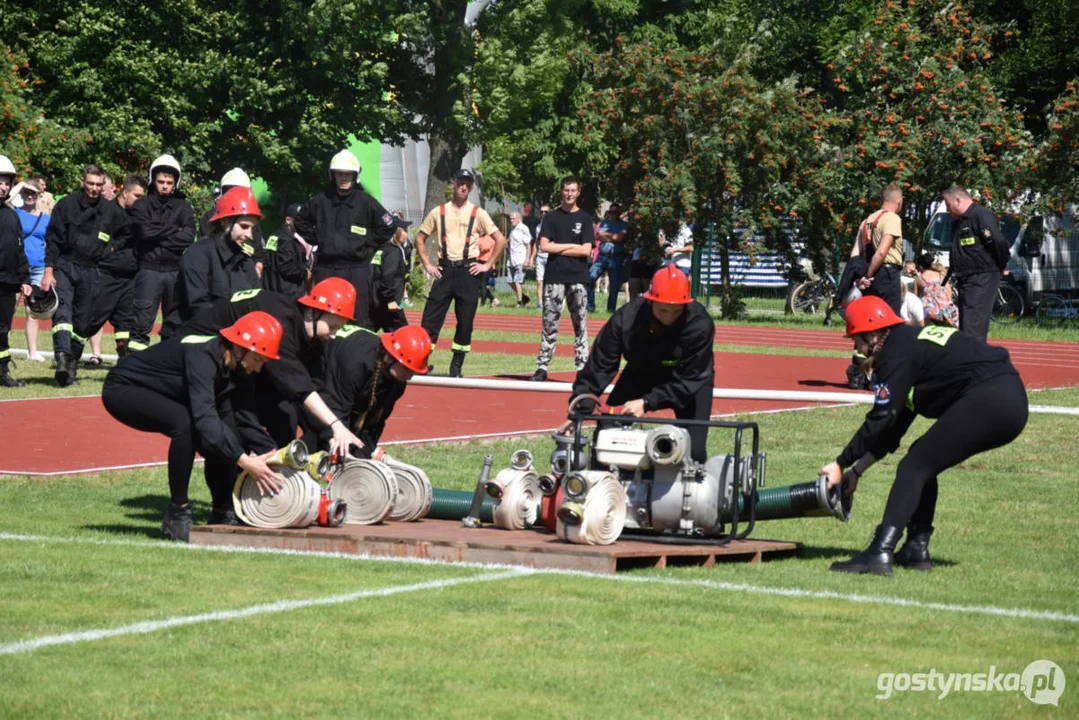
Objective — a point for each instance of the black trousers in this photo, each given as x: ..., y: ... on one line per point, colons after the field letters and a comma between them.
x: 153, y: 289
x: 8, y: 298
x: 633, y: 385
x: 886, y: 286
x: 361, y: 278
x: 977, y: 293
x: 385, y: 320
x: 148, y: 411
x: 115, y: 303
x: 988, y: 416
x: 76, y: 286
x: 462, y: 289
x: 279, y: 417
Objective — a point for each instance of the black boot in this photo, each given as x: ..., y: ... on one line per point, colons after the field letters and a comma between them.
x: 225, y: 516
x: 121, y: 349
x: 914, y: 555
x: 63, y: 369
x: 456, y: 363
x: 6, y: 380
x: 73, y: 371
x: 177, y: 524
x: 856, y: 379
x: 877, y: 558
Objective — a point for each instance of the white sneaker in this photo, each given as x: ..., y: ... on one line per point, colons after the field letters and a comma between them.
x: 36, y: 357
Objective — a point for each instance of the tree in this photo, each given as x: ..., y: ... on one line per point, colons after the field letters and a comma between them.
x: 1054, y: 168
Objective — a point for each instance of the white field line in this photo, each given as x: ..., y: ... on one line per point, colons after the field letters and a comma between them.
x: 790, y: 592
x: 149, y: 626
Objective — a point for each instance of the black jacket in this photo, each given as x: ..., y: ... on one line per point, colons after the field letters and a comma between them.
x: 211, y: 270
x: 164, y: 227
x: 119, y: 258
x: 284, y: 266
x: 191, y: 370
x: 978, y: 245
x: 300, y: 357
x: 83, y: 233
x: 921, y: 371
x: 14, y: 267
x: 392, y: 267
x: 677, y: 360
x: 347, y: 229
x: 351, y: 388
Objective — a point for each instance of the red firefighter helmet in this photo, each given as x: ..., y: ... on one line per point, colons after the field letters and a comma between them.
x: 410, y: 346
x: 669, y: 285
x: 333, y: 295
x: 869, y: 313
x: 257, y: 331
x: 236, y: 202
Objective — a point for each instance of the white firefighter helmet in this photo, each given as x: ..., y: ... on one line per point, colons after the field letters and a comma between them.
x: 345, y: 161
x: 7, y: 167
x: 166, y: 162
x: 235, y: 177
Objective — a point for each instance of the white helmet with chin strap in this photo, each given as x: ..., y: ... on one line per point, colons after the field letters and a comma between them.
x: 345, y: 161
x: 235, y: 177
x: 166, y: 162
x: 7, y: 167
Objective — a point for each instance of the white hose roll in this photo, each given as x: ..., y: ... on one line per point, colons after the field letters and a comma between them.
x: 604, y: 514
x: 518, y: 508
x: 296, y: 505
x: 414, y: 492
x: 667, y: 445
x: 367, y: 487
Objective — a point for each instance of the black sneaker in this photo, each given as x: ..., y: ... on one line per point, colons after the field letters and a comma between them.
x: 524, y: 301
x: 539, y: 376
x: 224, y: 517
x: 7, y: 381
x: 177, y: 524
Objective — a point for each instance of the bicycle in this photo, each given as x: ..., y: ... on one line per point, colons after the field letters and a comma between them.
x: 1008, y: 307
x: 1055, y: 310
x: 813, y: 294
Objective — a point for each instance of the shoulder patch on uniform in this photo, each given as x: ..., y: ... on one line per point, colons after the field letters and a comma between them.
x: 882, y: 394
x: 987, y: 232
x: 387, y: 219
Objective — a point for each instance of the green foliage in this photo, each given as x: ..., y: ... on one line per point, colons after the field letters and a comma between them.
x: 1056, y: 164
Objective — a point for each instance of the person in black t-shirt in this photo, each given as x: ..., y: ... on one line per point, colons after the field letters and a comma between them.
x: 970, y: 388
x: 567, y: 237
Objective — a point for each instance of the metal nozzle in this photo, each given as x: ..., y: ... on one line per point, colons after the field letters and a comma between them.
x: 521, y: 460
x: 318, y: 465
x: 547, y: 484
x: 294, y: 455
x: 571, y: 513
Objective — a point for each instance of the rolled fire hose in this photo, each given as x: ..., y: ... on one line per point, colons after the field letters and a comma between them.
x: 599, y: 518
x: 367, y: 487
x: 295, y: 505
x: 413, y: 491
x: 517, y: 496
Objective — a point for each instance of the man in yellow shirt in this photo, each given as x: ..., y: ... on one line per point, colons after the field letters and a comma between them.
x: 458, y: 273
x: 880, y: 238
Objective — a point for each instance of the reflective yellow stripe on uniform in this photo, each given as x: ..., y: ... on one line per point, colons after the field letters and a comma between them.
x: 352, y: 330
x: 910, y: 399
x: 197, y: 339
x: 461, y: 348
x: 122, y: 335
x: 77, y: 338
x: 271, y: 243
x: 245, y: 294
x: 937, y: 334
x: 5, y: 354
x: 63, y: 327
x: 376, y: 259
x: 136, y: 345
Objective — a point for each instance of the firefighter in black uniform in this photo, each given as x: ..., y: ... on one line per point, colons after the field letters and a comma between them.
x: 164, y: 226
x: 971, y: 389
x: 222, y: 264
x: 285, y: 261
x: 348, y: 226
x: 14, y: 269
x: 391, y: 267
x: 365, y: 374
x: 195, y: 390
x: 115, y: 301
x: 83, y: 226
x: 234, y: 178
x: 459, y: 274
x: 308, y: 323
x: 979, y: 254
x: 666, y: 339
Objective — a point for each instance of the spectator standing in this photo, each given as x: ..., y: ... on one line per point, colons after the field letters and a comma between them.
x: 34, y: 224
x: 14, y: 269
x: 459, y: 274
x: 539, y: 259
x: 520, y: 241
x: 567, y: 237
x: 978, y: 256
x: 45, y: 200
x: 611, y: 242
x: 679, y: 250
x: 881, y: 239
x: 391, y: 269
x: 164, y: 227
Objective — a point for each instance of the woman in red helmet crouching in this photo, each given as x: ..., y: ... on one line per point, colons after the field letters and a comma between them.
x: 195, y: 389
x: 970, y: 388
x: 364, y: 375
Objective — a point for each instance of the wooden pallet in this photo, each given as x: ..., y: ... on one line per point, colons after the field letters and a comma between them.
x: 448, y: 541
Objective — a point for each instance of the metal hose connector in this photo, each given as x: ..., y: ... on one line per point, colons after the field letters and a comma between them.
x: 293, y: 455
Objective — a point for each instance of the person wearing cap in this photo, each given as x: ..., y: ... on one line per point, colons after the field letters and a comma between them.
x: 289, y: 384
x: 82, y: 228
x: 391, y: 269
x: 348, y: 226
x: 164, y: 226
x: 458, y: 273
x: 34, y: 224
x: 285, y: 259
x: 115, y: 300
x: 234, y: 178
x: 196, y: 390
x: 365, y: 374
x: 223, y: 263
x: 14, y: 269
x: 970, y: 388
x: 666, y: 339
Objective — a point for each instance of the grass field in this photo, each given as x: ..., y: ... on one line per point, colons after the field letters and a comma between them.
x: 100, y: 618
